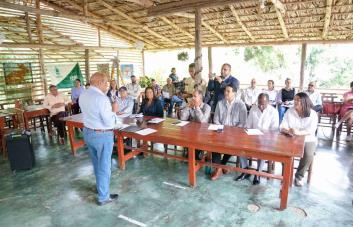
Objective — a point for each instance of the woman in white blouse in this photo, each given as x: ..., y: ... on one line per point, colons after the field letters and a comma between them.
x: 302, y: 120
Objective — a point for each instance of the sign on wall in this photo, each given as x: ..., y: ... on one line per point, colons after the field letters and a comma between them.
x: 103, y: 68
x: 126, y: 71
x: 18, y: 73
x: 64, y: 75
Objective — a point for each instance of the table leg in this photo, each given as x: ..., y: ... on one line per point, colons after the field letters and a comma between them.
x: 287, y: 166
x: 49, y: 126
x: 25, y: 119
x: 72, y: 139
x: 192, y: 167
x: 121, y: 155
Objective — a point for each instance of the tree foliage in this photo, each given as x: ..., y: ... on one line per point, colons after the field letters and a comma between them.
x: 266, y: 57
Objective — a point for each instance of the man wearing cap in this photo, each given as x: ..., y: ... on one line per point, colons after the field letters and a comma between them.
x: 125, y: 102
x: 134, y: 90
x: 99, y: 119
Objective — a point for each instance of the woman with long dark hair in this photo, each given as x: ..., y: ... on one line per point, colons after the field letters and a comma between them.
x: 113, y: 91
x: 151, y: 105
x: 302, y: 120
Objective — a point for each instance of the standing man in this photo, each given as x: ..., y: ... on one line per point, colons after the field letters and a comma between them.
x: 315, y: 97
x: 217, y: 86
x: 75, y: 94
x: 250, y: 95
x: 190, y: 83
x: 173, y: 76
x: 55, y: 102
x: 99, y: 118
x: 134, y: 90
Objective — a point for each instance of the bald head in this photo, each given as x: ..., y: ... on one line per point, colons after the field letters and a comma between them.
x: 100, y: 81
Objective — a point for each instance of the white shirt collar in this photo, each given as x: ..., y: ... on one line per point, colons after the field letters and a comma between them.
x: 96, y: 89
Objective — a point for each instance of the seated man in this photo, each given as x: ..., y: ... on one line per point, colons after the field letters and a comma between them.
x: 231, y: 112
x: 125, y: 102
x: 196, y: 111
x: 55, y: 102
x: 169, y: 96
x: 250, y: 95
x: 265, y: 117
x: 314, y: 96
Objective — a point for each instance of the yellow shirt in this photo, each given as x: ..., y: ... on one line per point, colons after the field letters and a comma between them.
x: 190, y: 83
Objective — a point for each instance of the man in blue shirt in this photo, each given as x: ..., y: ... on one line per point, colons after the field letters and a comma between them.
x: 99, y: 118
x: 217, y: 85
x: 125, y: 102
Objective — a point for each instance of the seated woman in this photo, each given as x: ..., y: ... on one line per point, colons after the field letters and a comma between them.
x: 302, y: 120
x: 285, y: 98
x: 151, y: 105
x: 113, y: 92
x: 346, y: 112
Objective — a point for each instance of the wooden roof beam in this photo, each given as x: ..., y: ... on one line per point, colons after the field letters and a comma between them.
x: 279, y: 8
x: 186, y: 5
x: 245, y: 29
x: 327, y: 18
x: 143, y: 3
x: 206, y: 25
x: 176, y: 27
x: 129, y: 18
x: 59, y: 47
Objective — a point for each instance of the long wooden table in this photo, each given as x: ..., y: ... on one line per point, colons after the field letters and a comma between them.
x: 233, y: 141
x: 36, y: 111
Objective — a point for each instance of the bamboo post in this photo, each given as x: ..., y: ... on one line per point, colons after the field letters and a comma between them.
x: 210, y: 63
x: 40, y: 51
x: 198, y: 46
x: 28, y: 25
x: 143, y: 63
x: 87, y: 65
x: 302, y: 67
x: 99, y: 37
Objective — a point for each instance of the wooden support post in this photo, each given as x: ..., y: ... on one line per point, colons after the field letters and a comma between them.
x: 198, y: 46
x: 99, y: 37
x: 210, y: 63
x: 85, y: 8
x: 40, y: 51
x: 28, y: 25
x: 87, y: 65
x: 302, y: 67
x: 143, y: 63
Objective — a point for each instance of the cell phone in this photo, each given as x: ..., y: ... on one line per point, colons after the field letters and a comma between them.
x: 287, y: 134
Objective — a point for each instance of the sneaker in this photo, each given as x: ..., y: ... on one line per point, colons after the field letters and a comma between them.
x: 349, y: 138
x: 298, y: 182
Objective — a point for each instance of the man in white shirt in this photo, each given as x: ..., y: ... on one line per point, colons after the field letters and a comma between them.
x: 250, y: 94
x: 55, y: 102
x: 264, y: 117
x: 134, y: 90
x: 272, y: 93
x: 314, y: 96
x: 99, y: 119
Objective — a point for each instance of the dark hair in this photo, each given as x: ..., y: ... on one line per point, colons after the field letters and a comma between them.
x: 263, y: 95
x: 271, y: 82
x: 306, y: 103
x: 51, y: 86
x: 132, y: 76
x: 173, y: 68
x: 233, y: 87
x: 122, y: 88
x: 227, y: 64
x: 352, y: 84
x: 78, y: 80
x: 88, y: 84
x: 154, y: 95
x: 192, y: 65
x: 116, y: 85
x: 153, y: 80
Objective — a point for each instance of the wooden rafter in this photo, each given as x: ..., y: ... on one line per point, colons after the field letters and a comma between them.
x: 59, y: 47
x: 144, y: 3
x: 245, y: 29
x: 327, y: 18
x: 112, y: 28
x: 176, y: 27
x: 279, y: 10
x: 129, y: 18
x: 186, y: 5
x: 71, y: 16
x: 206, y: 25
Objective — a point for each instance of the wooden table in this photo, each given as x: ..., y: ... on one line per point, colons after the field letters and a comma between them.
x: 72, y: 122
x: 233, y: 141
x: 36, y: 111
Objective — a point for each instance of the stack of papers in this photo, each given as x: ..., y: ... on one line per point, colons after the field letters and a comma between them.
x: 136, y: 115
x: 156, y: 120
x: 146, y: 131
x: 253, y: 132
x: 121, y: 126
x: 180, y: 123
x: 214, y: 127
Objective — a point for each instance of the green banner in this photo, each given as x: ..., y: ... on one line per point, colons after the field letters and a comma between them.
x: 64, y: 76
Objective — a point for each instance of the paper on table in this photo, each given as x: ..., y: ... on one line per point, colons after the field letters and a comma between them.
x: 156, y: 120
x: 136, y: 115
x: 165, y: 94
x: 253, y: 132
x: 146, y: 131
x: 215, y: 127
x: 182, y: 123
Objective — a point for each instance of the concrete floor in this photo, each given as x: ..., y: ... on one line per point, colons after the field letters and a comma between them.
x: 59, y: 191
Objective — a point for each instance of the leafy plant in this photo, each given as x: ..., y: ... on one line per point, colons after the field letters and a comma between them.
x: 267, y: 58
x: 183, y: 56
x: 145, y: 81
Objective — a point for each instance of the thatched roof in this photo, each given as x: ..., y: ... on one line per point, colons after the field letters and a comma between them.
x: 227, y: 23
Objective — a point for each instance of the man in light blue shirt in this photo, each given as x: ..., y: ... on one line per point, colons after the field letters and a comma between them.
x: 99, y: 118
x: 125, y: 102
